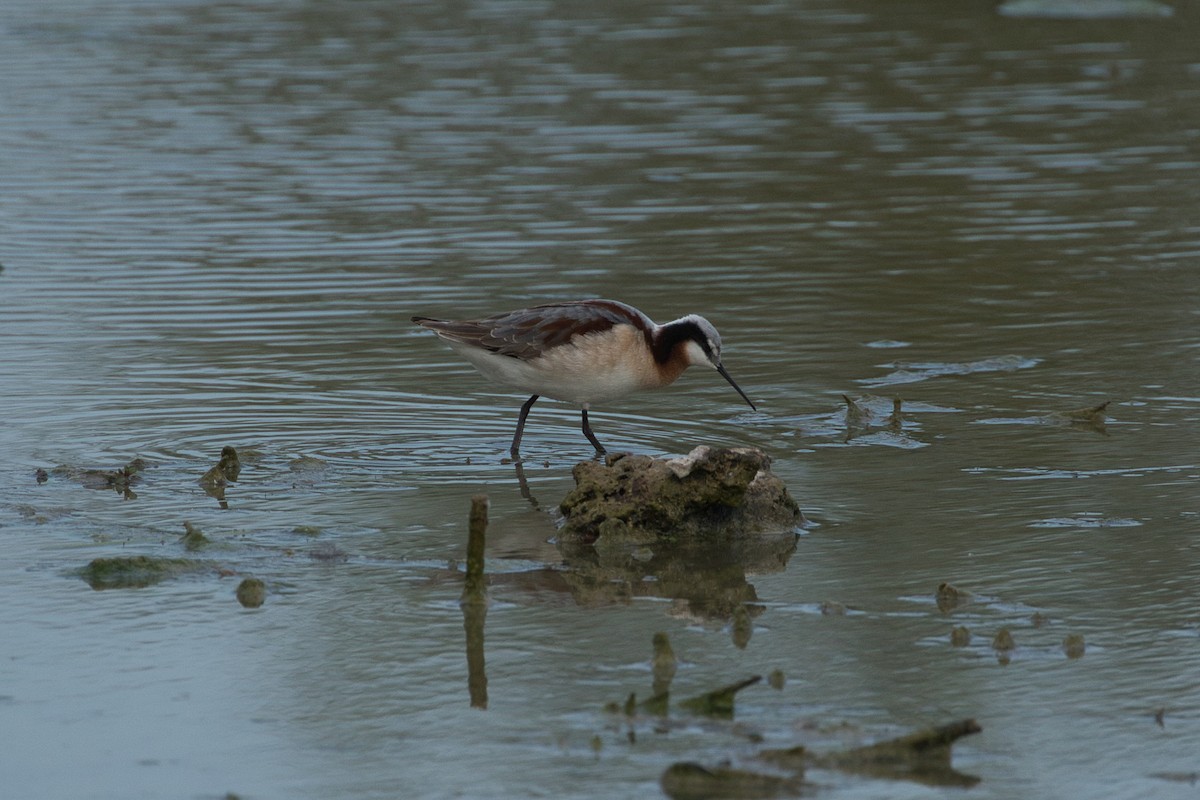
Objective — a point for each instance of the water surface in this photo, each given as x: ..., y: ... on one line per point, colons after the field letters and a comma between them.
x: 217, y: 220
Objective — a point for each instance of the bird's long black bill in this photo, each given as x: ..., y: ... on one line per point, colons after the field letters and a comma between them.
x: 732, y: 383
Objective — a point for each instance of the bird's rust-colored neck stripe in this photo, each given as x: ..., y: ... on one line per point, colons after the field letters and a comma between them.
x: 670, y: 337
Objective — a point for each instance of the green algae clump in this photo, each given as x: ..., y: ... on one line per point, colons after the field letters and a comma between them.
x: 251, y: 592
x: 135, y: 572
x: 688, y: 780
x: 1074, y: 646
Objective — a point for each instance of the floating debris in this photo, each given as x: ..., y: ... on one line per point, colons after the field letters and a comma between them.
x: 1092, y: 415
x: 796, y: 759
x: 226, y: 470
x: 1039, y: 620
x: 923, y: 756
x: 776, y: 680
x: 858, y: 415
x: 950, y: 597
x: 960, y: 636
x: 741, y: 628
x: 658, y: 705
x: 251, y: 592
x: 41, y: 476
x: 1092, y: 418
x: 829, y: 608
x: 119, y: 480
x: 133, y: 572
x: 328, y: 552
x: 868, y: 420
x: 895, y: 420
x: 688, y: 780
x: 1073, y: 645
x: 1003, y: 643
x: 663, y: 664
x: 867, y: 412
x: 193, y: 538
x: 718, y: 703
x: 707, y: 493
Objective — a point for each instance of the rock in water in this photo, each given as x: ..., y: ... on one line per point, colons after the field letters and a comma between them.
x: 707, y: 493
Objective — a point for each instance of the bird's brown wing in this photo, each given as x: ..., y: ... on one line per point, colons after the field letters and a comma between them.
x: 530, y: 332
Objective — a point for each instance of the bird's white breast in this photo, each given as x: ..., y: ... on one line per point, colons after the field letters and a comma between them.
x: 588, y: 369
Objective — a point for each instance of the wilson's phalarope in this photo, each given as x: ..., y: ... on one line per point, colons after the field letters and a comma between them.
x: 584, y: 352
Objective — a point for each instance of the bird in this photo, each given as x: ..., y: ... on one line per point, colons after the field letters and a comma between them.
x: 581, y: 352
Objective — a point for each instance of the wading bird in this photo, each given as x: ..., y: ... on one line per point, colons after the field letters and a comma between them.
x: 582, y: 352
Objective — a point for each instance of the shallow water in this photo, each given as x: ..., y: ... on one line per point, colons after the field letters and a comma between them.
x: 217, y: 220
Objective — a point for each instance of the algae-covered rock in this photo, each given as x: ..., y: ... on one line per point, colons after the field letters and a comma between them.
x: 123, y: 572
x: 710, y: 492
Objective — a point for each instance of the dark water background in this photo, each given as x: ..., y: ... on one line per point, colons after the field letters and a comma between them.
x: 217, y: 218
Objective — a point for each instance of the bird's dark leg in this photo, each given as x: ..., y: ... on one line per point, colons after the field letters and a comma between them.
x: 516, y: 442
x: 587, y: 431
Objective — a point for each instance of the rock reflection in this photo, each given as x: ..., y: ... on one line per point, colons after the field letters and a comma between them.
x: 706, y: 575
x: 707, y: 580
